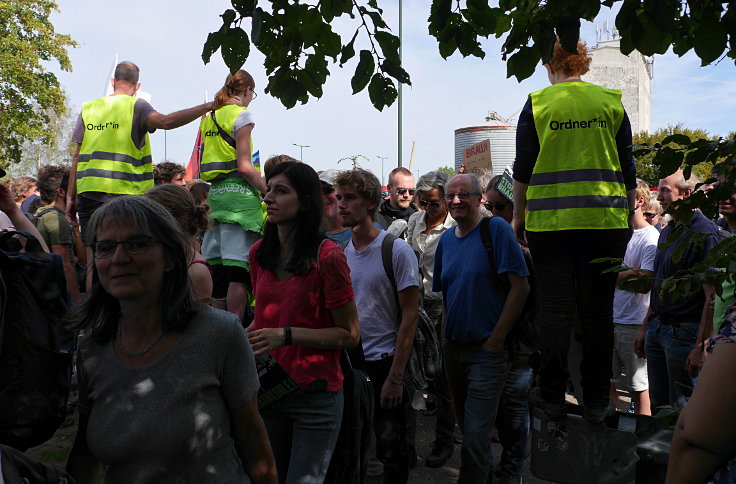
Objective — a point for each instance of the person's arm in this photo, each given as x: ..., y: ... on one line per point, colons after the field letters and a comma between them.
x: 511, y: 310
x: 156, y: 120
x: 639, y: 274
x: 201, y: 282
x: 71, y: 190
x: 81, y: 464
x: 17, y: 218
x: 245, y: 164
x: 702, y: 443
x: 641, y: 336
x: 79, y: 249
x: 71, y: 277
x: 393, y: 388
x: 252, y: 444
x: 520, y: 211
x: 695, y: 359
x: 345, y: 333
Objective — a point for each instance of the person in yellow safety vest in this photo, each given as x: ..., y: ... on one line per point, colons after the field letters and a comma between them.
x: 574, y: 191
x: 229, y: 163
x: 113, y: 155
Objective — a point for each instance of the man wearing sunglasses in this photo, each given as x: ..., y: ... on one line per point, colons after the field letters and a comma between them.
x: 398, y: 206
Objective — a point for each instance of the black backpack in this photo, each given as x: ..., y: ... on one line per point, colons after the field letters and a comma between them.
x: 425, y: 363
x: 35, y: 350
x: 526, y: 330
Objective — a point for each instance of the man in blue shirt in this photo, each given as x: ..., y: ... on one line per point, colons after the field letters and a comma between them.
x: 477, y: 318
x: 672, y: 334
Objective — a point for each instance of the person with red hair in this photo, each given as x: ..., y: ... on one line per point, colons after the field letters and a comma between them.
x: 574, y: 192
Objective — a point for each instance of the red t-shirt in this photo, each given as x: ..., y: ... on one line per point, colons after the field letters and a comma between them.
x: 304, y: 302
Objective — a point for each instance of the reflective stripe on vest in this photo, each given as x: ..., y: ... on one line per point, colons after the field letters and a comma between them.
x: 109, y: 161
x: 577, y: 181
x: 219, y: 159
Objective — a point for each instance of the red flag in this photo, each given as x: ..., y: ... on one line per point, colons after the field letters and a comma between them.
x: 196, y: 158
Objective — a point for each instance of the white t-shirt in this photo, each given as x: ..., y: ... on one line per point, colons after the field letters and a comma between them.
x: 631, y: 307
x: 375, y: 298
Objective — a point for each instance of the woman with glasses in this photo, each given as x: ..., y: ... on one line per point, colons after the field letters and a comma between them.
x: 167, y: 386
x: 305, y: 314
x: 230, y: 165
x: 574, y: 192
x: 423, y: 234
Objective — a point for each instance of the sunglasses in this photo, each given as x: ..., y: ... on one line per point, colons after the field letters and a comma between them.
x: 495, y: 206
x: 424, y: 203
x: 402, y: 191
x: 649, y: 214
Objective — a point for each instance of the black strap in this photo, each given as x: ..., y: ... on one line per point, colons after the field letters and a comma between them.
x: 387, y: 249
x: 228, y: 139
x: 501, y: 283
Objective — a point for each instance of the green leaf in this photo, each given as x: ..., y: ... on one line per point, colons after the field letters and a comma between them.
x: 235, y: 48
x: 329, y: 43
x: 389, y: 44
x: 677, y: 138
x: 311, y: 27
x: 348, y: 50
x: 364, y: 70
x: 228, y: 16
x: 381, y: 91
x: 647, y: 36
x: 568, y: 30
x: 669, y: 161
x: 394, y: 69
x: 214, y: 40
x: 710, y: 40
x: 522, y: 63
x: 244, y: 7
x: 447, y: 48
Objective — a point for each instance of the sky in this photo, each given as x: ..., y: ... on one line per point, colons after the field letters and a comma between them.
x: 165, y: 38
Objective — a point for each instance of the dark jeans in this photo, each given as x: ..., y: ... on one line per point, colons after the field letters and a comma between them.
x: 445, y: 423
x: 85, y: 208
x: 569, y: 287
x: 667, y: 348
x: 389, y: 426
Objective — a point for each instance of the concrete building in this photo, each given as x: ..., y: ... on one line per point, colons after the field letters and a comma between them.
x: 632, y: 75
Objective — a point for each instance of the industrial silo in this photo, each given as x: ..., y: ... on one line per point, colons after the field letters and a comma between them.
x: 502, y: 135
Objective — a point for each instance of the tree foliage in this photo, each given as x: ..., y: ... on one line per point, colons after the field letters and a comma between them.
x: 299, y: 43
x: 449, y: 171
x: 28, y: 92
x: 646, y: 168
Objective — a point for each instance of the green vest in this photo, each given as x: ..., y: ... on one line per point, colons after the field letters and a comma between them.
x: 109, y: 161
x: 577, y: 181
x: 219, y: 159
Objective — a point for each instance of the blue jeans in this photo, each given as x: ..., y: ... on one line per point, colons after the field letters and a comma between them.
x: 476, y: 381
x: 512, y: 420
x: 667, y: 348
x: 303, y: 430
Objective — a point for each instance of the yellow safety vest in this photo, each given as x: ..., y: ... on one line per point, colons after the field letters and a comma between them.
x: 577, y: 181
x: 219, y: 159
x: 109, y: 161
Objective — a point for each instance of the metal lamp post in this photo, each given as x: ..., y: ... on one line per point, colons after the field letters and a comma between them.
x: 301, y: 151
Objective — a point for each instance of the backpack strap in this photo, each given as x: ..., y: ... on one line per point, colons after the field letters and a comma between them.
x: 319, y: 249
x: 387, y: 250
x: 500, y: 282
x: 228, y: 139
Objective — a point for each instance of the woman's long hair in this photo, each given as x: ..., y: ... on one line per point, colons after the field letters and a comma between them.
x: 100, y: 312
x: 234, y: 85
x: 306, y: 232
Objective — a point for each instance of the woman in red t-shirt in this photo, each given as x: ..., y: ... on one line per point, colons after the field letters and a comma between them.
x: 305, y: 314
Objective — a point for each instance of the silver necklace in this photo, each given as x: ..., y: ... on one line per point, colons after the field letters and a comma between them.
x: 139, y: 353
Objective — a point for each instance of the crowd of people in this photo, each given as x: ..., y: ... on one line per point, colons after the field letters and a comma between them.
x: 181, y: 287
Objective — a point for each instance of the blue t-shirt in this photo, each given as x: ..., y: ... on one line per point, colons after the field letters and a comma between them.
x: 462, y: 273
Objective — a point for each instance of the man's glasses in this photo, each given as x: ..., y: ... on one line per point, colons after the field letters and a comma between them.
x: 649, y: 214
x: 424, y: 203
x: 461, y: 195
x: 402, y: 191
x: 133, y: 246
x: 495, y: 206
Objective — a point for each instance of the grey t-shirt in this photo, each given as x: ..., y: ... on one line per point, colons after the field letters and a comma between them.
x: 138, y: 129
x: 169, y: 421
x: 378, y: 308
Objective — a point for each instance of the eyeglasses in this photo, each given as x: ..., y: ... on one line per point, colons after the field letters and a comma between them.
x: 402, y: 191
x: 255, y: 94
x: 495, y: 206
x: 424, y: 203
x: 461, y: 195
x: 649, y: 214
x: 133, y: 246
